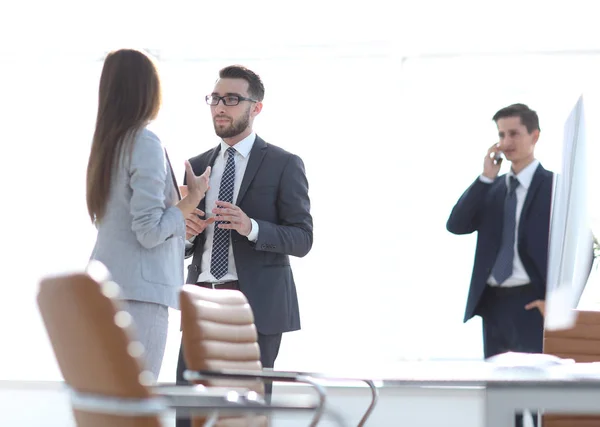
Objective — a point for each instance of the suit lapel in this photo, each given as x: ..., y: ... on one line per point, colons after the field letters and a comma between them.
x: 211, y: 163
x: 213, y: 156
x: 173, y: 176
x: 536, y: 181
x: 257, y: 154
x: 498, y: 211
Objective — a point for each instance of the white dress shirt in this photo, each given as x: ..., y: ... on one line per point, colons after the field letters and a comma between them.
x: 242, y: 155
x: 519, y: 275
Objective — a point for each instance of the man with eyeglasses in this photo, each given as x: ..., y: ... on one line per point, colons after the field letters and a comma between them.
x: 258, y: 214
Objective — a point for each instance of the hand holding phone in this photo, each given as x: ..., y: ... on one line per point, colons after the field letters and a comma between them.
x: 498, y: 158
x: 492, y: 162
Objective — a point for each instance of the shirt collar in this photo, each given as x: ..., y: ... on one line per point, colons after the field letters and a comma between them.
x: 243, y: 147
x: 526, y: 175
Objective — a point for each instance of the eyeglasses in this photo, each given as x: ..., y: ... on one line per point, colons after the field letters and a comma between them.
x: 229, y: 100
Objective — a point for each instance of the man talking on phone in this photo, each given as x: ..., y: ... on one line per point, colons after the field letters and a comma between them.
x: 511, y: 215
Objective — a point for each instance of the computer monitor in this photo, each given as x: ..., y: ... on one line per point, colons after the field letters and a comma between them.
x: 570, y: 252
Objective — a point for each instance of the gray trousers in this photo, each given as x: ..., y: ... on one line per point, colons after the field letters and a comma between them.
x: 150, y: 325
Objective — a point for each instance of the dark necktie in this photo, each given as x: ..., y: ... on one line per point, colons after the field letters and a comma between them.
x: 219, y: 261
x: 503, y: 267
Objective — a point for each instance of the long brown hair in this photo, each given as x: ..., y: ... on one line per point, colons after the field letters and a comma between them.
x: 128, y: 98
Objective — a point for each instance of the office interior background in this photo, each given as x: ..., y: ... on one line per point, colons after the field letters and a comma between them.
x: 388, y: 103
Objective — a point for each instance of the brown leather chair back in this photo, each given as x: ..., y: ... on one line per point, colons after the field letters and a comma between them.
x: 219, y: 333
x: 581, y: 343
x: 89, y: 336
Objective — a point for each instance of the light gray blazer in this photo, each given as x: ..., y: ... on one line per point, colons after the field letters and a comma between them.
x: 141, y: 237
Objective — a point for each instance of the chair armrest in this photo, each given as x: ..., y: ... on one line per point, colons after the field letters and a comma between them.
x: 124, y: 406
x: 292, y: 377
x: 370, y: 383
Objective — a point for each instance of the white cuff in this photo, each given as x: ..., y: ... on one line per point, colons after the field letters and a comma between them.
x: 253, y: 235
x: 485, y: 179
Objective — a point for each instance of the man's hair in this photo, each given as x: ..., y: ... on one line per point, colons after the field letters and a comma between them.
x: 529, y: 118
x: 256, y: 88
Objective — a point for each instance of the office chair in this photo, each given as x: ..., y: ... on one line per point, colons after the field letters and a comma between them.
x: 581, y: 343
x: 102, y: 367
x: 220, y: 344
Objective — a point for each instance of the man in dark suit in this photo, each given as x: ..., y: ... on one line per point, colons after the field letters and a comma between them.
x: 511, y: 214
x: 258, y: 197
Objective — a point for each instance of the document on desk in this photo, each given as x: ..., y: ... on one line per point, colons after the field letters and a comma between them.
x: 579, y: 371
x: 534, y: 361
x: 539, y: 366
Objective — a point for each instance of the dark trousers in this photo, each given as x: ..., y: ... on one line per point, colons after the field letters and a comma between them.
x: 269, y: 349
x: 508, y: 326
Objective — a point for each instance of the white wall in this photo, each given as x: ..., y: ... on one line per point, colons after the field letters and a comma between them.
x: 394, y: 96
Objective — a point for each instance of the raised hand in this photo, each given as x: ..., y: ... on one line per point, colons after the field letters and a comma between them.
x: 195, y: 190
x: 194, y: 225
x: 231, y: 217
x: 196, y: 185
x: 491, y: 167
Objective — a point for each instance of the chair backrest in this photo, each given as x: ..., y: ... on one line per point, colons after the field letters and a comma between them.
x: 581, y: 343
x: 219, y: 333
x: 88, y: 333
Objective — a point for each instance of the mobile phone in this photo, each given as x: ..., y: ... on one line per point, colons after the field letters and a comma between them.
x: 498, y: 158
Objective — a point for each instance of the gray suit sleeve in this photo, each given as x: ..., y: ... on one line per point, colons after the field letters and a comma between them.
x: 153, y: 222
x: 293, y: 235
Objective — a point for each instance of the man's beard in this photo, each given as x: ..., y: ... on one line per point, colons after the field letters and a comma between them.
x: 235, y: 127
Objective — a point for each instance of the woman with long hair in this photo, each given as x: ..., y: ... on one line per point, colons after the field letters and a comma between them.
x: 134, y: 201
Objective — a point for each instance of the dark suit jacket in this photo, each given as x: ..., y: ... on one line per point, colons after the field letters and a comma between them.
x: 274, y: 192
x: 481, y: 209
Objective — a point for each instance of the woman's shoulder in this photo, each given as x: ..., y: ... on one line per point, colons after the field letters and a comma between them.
x: 147, y: 144
x: 147, y: 137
